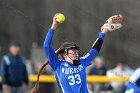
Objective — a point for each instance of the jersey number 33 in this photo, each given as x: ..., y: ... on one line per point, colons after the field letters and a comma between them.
x: 74, y: 79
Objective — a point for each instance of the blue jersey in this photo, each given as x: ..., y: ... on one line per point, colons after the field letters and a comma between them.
x: 134, y: 83
x: 70, y: 78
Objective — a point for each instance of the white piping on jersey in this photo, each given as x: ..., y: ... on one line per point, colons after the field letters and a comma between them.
x: 84, y: 57
x: 7, y: 60
x: 60, y: 83
x: 95, y: 42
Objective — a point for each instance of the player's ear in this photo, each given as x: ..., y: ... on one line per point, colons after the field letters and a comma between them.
x: 64, y: 56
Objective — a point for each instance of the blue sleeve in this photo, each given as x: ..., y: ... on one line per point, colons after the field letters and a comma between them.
x: 87, y: 59
x: 132, y: 86
x: 4, y: 72
x: 101, y: 35
x: 49, y: 51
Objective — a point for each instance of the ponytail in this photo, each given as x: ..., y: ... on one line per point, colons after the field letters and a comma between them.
x: 58, y: 51
x: 37, y: 82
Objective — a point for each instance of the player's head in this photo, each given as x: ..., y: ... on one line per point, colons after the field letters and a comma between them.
x: 70, y: 52
x: 14, y: 48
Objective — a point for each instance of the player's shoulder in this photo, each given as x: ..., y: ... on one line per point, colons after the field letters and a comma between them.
x: 63, y: 63
x: 84, y: 57
x: 91, y: 52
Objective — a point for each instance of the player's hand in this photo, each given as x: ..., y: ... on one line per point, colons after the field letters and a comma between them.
x: 55, y: 23
x: 112, y: 24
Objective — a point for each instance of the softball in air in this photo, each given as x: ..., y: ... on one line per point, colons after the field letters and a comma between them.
x: 60, y: 18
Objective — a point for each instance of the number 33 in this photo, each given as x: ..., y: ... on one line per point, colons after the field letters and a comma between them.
x: 73, y: 81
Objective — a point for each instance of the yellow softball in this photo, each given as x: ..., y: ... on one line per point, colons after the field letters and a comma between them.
x: 60, y: 18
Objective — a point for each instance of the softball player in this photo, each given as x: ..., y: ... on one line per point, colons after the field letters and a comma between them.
x: 69, y: 68
x: 134, y: 83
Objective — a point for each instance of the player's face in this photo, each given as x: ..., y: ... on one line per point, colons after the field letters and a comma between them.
x: 15, y: 50
x: 121, y: 66
x: 73, y: 54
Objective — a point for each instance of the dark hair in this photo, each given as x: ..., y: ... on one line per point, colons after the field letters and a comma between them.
x: 122, y: 63
x: 60, y: 51
x: 14, y: 43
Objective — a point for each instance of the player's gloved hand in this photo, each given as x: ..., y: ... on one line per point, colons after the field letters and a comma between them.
x: 55, y: 23
x: 112, y: 24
